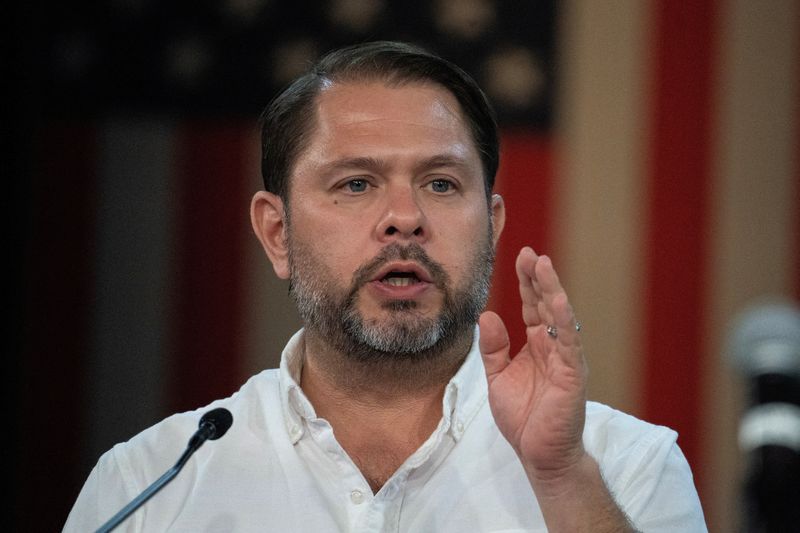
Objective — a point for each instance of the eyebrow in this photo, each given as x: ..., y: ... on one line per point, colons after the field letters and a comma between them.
x: 379, y: 165
x: 357, y: 163
x: 442, y: 160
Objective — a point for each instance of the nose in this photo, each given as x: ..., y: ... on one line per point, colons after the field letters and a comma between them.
x: 402, y: 217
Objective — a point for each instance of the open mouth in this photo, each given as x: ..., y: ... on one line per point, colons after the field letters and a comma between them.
x: 400, y: 279
x: 402, y: 274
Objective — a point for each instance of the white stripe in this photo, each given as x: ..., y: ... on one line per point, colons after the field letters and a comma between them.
x: 599, y: 187
x: 753, y: 227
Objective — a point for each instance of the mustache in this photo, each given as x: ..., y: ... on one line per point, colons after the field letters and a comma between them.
x: 396, y: 251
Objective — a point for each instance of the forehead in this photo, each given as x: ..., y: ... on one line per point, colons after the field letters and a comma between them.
x: 364, y: 116
x: 351, y: 100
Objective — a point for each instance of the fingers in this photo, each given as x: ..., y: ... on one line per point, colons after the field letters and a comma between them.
x: 494, y: 343
x: 529, y: 289
x: 544, y: 301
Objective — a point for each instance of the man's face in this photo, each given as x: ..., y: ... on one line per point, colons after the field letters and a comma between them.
x: 390, y: 240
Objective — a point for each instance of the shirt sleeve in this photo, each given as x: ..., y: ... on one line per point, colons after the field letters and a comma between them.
x: 104, y: 493
x: 673, y: 503
x: 650, y: 477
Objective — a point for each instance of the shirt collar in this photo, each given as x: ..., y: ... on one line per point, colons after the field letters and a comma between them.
x: 463, y: 396
x: 466, y: 392
x: 294, y: 403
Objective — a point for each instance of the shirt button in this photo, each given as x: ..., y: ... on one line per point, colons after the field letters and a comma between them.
x: 294, y: 431
x: 459, y: 426
x: 356, y: 496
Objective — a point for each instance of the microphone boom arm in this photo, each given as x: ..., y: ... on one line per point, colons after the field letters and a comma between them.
x: 213, y: 425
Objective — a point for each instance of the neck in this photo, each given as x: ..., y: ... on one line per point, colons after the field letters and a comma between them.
x: 380, y: 413
x: 382, y: 377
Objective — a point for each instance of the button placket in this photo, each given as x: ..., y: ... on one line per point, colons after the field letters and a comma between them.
x: 294, y: 431
x: 357, y: 496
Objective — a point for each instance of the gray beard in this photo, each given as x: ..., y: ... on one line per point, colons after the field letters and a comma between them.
x: 332, y: 314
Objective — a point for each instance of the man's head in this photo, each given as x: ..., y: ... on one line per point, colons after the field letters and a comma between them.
x: 290, y: 117
x: 390, y: 242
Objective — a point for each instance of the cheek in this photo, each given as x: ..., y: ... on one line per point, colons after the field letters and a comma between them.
x: 336, y: 258
x: 466, y: 245
x: 466, y: 229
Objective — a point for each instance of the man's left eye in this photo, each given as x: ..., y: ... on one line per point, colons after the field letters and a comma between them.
x: 441, y: 186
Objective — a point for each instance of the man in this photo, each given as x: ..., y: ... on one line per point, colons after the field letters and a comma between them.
x: 392, y: 410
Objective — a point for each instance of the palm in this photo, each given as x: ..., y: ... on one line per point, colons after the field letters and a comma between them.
x: 538, y: 397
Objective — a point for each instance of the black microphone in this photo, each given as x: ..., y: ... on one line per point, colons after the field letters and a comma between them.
x: 213, y: 425
x: 764, y: 345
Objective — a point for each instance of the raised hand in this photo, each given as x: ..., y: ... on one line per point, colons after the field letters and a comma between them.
x: 538, y: 397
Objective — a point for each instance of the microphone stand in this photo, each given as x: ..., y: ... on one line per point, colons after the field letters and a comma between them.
x: 148, y: 493
x: 213, y: 425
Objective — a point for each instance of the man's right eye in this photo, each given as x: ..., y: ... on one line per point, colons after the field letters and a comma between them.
x: 356, y: 185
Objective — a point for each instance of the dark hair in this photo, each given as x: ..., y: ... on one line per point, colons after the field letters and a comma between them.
x: 286, y: 122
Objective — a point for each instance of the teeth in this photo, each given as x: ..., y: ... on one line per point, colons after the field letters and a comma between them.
x: 399, y: 282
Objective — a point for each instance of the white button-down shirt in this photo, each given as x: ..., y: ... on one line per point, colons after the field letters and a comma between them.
x: 280, y: 468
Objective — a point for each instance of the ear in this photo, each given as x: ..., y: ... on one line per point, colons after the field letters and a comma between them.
x: 268, y: 216
x: 498, y: 210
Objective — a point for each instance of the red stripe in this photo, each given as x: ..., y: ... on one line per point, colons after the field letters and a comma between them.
x: 56, y: 328
x: 525, y: 182
x: 212, y: 224
x: 677, y: 245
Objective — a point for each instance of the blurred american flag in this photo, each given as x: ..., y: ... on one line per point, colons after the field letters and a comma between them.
x: 225, y: 58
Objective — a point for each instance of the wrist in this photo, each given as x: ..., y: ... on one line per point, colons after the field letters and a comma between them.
x: 576, y: 498
x: 556, y: 481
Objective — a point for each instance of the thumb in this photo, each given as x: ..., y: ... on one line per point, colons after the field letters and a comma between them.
x: 494, y: 343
